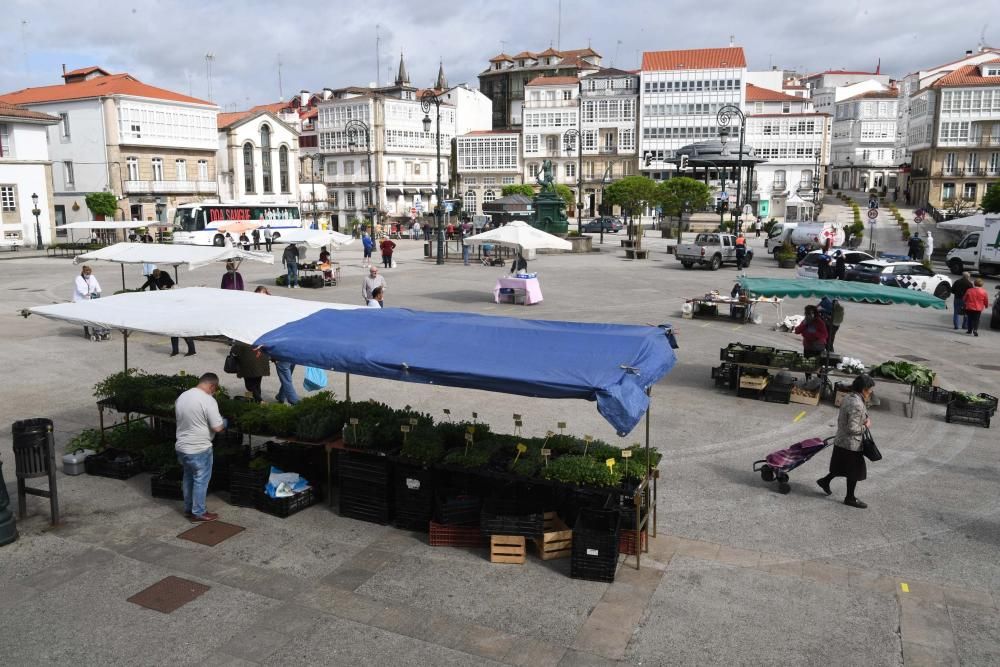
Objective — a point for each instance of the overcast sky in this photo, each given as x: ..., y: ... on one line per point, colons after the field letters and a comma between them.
x: 332, y: 42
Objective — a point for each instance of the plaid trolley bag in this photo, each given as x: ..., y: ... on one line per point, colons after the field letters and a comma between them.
x: 778, y: 464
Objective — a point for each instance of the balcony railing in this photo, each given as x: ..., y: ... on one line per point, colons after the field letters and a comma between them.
x: 162, y: 187
x: 549, y: 104
x: 968, y: 173
x: 778, y: 186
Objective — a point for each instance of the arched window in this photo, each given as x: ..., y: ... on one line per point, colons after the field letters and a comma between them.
x: 248, y: 175
x: 469, y: 205
x: 489, y: 196
x: 265, y: 157
x: 283, y: 168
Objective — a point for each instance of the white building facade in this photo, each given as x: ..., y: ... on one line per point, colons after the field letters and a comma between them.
x: 680, y: 95
x: 609, y: 124
x: 551, y: 107
x: 258, y: 159
x: 864, y: 141
x: 487, y: 160
x: 25, y: 170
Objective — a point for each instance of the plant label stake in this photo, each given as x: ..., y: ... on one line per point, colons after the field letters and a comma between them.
x: 611, y: 467
x: 405, y: 428
x: 546, y: 453
x: 468, y: 442
x: 413, y: 421
x: 475, y: 416
x: 354, y: 429
x: 587, y: 439
x: 521, y: 449
x: 626, y: 455
x: 517, y: 427
x: 560, y: 426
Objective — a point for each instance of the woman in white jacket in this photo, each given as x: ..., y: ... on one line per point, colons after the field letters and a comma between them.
x: 86, y: 288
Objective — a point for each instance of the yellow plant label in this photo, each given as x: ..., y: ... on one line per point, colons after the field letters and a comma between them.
x: 521, y: 448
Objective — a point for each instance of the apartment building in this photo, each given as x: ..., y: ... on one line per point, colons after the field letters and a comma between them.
x: 25, y: 170
x: 258, y: 159
x: 864, y: 141
x: 827, y: 88
x: 506, y: 79
x: 153, y: 148
x: 487, y: 160
x: 551, y: 108
x: 609, y: 104
x: 680, y: 95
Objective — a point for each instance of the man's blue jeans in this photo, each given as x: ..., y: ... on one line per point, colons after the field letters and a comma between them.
x: 197, y: 473
x: 959, y: 311
x: 287, y: 391
x: 293, y: 274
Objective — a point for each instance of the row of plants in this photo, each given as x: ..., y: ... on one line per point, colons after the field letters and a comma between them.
x: 407, y: 433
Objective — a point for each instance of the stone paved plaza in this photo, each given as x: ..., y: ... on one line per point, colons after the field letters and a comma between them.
x: 738, y: 574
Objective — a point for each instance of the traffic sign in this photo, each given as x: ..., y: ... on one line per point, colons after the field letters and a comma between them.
x: 724, y: 195
x: 873, y: 203
x: 873, y: 214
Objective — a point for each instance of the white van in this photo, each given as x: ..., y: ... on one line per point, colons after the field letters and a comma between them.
x: 978, y: 251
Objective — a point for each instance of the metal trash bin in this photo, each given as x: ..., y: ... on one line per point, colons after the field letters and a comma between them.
x: 34, y: 456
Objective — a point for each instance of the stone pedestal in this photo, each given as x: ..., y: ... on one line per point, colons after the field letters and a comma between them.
x: 549, y: 213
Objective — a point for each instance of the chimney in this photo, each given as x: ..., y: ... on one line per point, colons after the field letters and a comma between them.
x: 64, y: 70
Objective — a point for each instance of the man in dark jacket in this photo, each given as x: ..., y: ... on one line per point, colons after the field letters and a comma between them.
x: 157, y: 280
x: 290, y: 258
x: 840, y: 267
x: 958, y: 290
x: 916, y: 247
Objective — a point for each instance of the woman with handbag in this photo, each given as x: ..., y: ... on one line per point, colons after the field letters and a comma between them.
x: 848, y: 458
x: 253, y: 366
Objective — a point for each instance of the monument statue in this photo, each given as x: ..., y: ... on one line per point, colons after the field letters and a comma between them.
x: 545, y: 177
x: 549, y: 209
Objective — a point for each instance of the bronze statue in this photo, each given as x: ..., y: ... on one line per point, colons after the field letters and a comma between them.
x: 545, y: 178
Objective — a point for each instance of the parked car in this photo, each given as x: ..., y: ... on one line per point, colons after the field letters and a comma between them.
x: 612, y: 225
x: 809, y: 266
x: 911, y: 275
x: 710, y: 249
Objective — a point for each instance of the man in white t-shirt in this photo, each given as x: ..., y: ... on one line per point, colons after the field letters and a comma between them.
x: 198, y: 418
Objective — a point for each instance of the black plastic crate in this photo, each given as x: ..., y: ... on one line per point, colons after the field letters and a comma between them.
x: 992, y: 402
x: 413, y: 497
x: 593, y: 570
x: 361, y: 466
x: 934, y: 394
x: 734, y: 355
x: 167, y: 485
x: 455, y: 508
x: 747, y: 392
x: 506, y: 517
x: 595, y: 545
x: 358, y: 507
x: 307, y: 460
x: 285, y: 507
x: 777, y: 393
x: 967, y: 413
x: 245, y: 484
x: 113, y: 463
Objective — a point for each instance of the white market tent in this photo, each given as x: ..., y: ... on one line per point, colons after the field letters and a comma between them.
x: 519, y: 234
x: 972, y: 223
x: 194, y: 312
x: 319, y: 239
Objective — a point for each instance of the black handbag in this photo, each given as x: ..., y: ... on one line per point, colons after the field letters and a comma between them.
x: 868, y: 447
x: 232, y: 363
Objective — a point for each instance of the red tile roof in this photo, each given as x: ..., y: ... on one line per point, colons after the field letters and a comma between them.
x: 525, y: 54
x: 758, y: 94
x: 580, y: 52
x: 969, y: 75
x: 553, y: 81
x: 84, y: 71
x: 694, y: 59
x: 548, y: 52
x: 500, y: 57
x: 102, y: 86
x: 18, y: 112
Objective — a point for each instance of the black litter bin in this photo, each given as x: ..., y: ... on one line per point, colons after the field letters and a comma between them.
x: 34, y: 456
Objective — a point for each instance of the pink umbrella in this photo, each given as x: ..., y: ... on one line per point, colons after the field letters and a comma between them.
x: 239, y: 226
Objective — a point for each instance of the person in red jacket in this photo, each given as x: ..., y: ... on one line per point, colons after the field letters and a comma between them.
x: 976, y: 301
x: 814, y: 334
x: 387, y: 247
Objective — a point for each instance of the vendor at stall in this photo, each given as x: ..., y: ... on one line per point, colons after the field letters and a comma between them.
x: 814, y: 334
x: 520, y: 264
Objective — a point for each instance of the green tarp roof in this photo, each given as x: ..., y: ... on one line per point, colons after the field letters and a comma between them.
x: 839, y: 289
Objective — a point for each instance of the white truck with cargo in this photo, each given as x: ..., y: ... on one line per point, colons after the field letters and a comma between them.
x: 978, y: 251
x: 710, y: 249
x: 813, y: 235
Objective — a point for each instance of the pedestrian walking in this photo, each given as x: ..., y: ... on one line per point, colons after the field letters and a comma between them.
x: 370, y: 282
x: 756, y: 228
x: 227, y: 240
x: 832, y: 313
x: 232, y: 279
x: 268, y: 237
x: 368, y: 245
x: 847, y: 460
x: 958, y: 290
x: 197, y: 418
x: 387, y: 246
x: 928, y: 246
x: 840, y: 265
x: 290, y: 259
x: 415, y: 231
x: 466, y: 249
x: 245, y: 241
x: 255, y: 234
x: 85, y: 288
x: 915, y: 247
x: 976, y: 301
x: 254, y: 366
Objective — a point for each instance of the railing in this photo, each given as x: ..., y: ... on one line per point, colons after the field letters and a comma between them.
x: 778, y: 186
x: 147, y: 187
x: 548, y: 104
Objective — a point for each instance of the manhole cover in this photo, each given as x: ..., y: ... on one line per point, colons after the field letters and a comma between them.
x: 211, y: 533
x: 988, y: 367
x: 911, y: 357
x: 168, y: 595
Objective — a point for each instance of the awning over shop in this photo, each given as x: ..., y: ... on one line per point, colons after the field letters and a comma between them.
x: 171, y: 255
x: 611, y: 364
x: 839, y: 289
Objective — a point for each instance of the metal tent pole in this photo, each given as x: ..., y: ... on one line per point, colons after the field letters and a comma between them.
x: 125, y: 347
x: 123, y: 276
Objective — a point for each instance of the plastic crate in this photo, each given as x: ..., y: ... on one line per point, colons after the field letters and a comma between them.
x: 504, y: 517
x: 627, y: 541
x: 167, y: 485
x: 362, y: 466
x: 362, y: 509
x: 776, y: 393
x: 413, y: 496
x: 442, y: 535
x: 245, y: 484
x: 285, y: 507
x: 457, y: 509
x: 603, y: 571
x: 966, y: 413
x: 992, y: 402
x: 596, y: 530
x: 307, y: 460
x: 934, y: 394
x: 113, y: 463
x: 755, y: 394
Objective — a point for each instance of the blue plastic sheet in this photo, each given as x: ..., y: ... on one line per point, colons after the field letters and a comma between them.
x: 612, y: 364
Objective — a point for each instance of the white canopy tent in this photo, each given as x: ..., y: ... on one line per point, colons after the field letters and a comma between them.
x: 319, y: 239
x: 194, y: 312
x: 521, y: 235
x: 971, y: 223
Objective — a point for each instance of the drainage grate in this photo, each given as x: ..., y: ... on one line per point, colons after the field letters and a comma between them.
x: 168, y: 595
x: 911, y: 357
x: 211, y: 533
x: 988, y: 367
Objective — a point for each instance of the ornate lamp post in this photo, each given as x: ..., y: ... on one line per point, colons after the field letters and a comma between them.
x: 725, y: 119
x: 568, y: 137
x: 358, y: 130
x: 426, y: 100
x: 815, y: 185
x: 312, y: 182
x: 35, y: 211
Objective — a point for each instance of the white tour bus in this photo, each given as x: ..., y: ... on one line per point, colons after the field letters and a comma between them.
x: 198, y: 224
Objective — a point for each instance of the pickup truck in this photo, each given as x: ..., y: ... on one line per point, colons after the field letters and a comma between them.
x: 713, y: 250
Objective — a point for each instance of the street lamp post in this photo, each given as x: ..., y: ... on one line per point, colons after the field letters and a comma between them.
x: 568, y: 135
x: 815, y: 185
x: 605, y: 181
x: 35, y: 211
x: 426, y: 100
x: 356, y: 128
x: 725, y: 119
x: 312, y: 182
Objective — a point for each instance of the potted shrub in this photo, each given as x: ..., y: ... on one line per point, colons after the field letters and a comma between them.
x: 786, y: 256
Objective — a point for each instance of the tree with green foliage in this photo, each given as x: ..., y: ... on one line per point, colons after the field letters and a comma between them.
x: 525, y: 189
x: 633, y: 194
x: 680, y: 195
x: 991, y: 200
x: 956, y: 207
x: 102, y: 203
x: 566, y: 194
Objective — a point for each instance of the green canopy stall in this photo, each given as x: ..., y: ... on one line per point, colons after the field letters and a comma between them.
x: 839, y: 289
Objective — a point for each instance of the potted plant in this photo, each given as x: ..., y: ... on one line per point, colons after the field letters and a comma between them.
x: 786, y: 256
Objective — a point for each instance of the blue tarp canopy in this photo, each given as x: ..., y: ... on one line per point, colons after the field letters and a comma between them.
x: 611, y: 364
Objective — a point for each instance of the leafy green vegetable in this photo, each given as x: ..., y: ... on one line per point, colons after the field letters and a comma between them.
x: 905, y: 371
x: 582, y: 470
x: 87, y: 439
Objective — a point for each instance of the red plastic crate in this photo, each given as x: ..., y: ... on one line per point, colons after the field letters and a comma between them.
x: 456, y: 536
x: 626, y: 542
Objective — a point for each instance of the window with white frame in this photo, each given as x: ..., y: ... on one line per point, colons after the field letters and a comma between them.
x: 533, y: 169
x: 202, y: 170
x: 249, y: 178
x: 331, y: 167
x: 366, y: 198
x: 570, y: 170
x: 64, y: 125
x: 469, y: 202
x: 157, y: 163
x: 993, y: 165
x: 590, y: 140
x: 283, y: 179
x: 786, y: 107
x: 489, y: 196
x: 508, y: 180
x: 181, y: 169
x: 489, y: 180
x: 348, y: 167
x: 969, y: 192
x: 391, y: 169
x: 5, y: 140
x: 950, y: 165
x: 567, y: 94
x: 70, y: 177
x: 8, y: 198
x: 531, y: 143
x: 349, y: 198
x: 132, y: 168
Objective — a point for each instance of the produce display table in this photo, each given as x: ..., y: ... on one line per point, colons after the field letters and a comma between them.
x: 313, y: 269
x: 747, y: 305
x: 528, y: 287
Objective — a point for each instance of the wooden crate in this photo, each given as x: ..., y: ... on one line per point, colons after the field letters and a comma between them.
x: 556, y: 541
x: 753, y: 382
x: 507, y: 549
x: 804, y: 397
